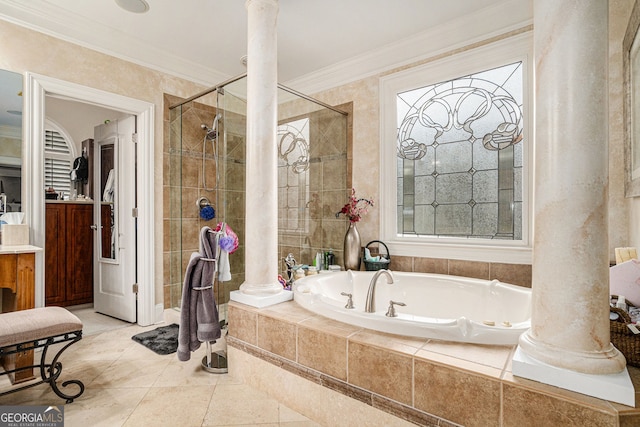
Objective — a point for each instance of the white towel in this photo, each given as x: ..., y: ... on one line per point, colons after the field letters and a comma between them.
x: 369, y: 258
x: 224, y: 269
x: 109, y: 188
x: 230, y: 243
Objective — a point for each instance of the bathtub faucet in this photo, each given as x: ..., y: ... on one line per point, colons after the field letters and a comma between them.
x: 370, y: 305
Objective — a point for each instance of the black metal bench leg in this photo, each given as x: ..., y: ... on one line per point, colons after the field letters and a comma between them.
x: 51, y: 372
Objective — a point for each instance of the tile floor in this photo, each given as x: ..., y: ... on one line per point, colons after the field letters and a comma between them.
x: 127, y: 384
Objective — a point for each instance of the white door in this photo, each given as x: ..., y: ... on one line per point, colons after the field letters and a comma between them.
x: 114, y: 154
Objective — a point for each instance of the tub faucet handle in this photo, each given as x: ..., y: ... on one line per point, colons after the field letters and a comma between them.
x: 391, y: 312
x: 349, y: 301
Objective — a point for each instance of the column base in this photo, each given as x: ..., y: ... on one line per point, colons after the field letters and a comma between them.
x: 605, y: 362
x: 613, y: 387
x: 261, y: 300
x: 261, y: 289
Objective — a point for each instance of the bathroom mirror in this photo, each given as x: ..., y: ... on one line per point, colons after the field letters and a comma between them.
x: 11, y: 140
x: 631, y: 67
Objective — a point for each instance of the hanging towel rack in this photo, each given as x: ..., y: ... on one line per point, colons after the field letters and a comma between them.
x: 219, y: 365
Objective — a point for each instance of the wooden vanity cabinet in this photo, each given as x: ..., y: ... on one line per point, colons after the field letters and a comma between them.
x: 17, y: 285
x: 68, y: 254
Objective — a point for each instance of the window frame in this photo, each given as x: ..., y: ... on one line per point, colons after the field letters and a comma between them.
x: 513, y: 49
x: 51, y: 125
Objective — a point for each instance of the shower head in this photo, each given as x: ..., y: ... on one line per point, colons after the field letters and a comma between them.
x: 212, y: 132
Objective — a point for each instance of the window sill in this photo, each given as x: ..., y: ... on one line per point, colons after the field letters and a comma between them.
x: 507, y: 254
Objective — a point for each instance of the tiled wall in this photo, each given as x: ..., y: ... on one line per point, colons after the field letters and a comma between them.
x: 516, y: 274
x: 182, y: 174
x: 425, y: 382
x: 183, y: 184
x: 306, y: 214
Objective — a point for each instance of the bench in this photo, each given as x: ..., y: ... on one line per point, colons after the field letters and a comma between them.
x: 23, y: 331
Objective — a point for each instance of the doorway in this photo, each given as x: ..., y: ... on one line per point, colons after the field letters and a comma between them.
x: 37, y: 88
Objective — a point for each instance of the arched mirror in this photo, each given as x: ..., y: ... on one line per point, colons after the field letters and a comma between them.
x: 10, y: 141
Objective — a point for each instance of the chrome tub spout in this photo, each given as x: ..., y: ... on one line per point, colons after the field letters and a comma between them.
x: 370, y: 303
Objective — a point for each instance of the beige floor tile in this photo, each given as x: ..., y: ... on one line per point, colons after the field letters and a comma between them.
x: 97, y: 348
x: 38, y: 395
x: 121, y: 334
x: 172, y: 406
x: 96, y: 323
x: 307, y: 423
x: 291, y: 417
x: 227, y: 379
x: 238, y: 391
x: 228, y: 410
x: 127, y: 384
x: 187, y: 373
x: 138, y: 351
x: 103, y: 407
x: 248, y: 425
x: 130, y: 373
x: 84, y: 370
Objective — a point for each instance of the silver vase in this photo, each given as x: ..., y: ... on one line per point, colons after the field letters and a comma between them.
x: 352, y: 248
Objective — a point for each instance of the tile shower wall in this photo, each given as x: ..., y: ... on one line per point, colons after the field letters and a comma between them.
x: 182, y: 186
x: 231, y: 193
x: 309, y: 200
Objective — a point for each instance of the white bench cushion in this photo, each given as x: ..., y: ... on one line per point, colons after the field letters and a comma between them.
x: 35, y: 324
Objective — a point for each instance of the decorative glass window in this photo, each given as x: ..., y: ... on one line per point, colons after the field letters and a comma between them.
x: 293, y: 173
x: 460, y: 158
x: 456, y: 156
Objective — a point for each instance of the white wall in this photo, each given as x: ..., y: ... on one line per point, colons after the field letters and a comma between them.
x: 78, y: 119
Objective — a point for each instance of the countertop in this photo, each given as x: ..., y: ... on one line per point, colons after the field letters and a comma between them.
x: 18, y: 249
x: 71, y: 202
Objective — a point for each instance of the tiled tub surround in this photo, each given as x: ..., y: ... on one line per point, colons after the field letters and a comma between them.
x: 339, y: 374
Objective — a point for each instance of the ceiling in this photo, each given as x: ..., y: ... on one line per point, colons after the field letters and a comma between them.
x: 204, y: 40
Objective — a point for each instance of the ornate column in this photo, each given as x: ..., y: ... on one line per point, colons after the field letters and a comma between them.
x: 261, y: 240
x: 570, y: 320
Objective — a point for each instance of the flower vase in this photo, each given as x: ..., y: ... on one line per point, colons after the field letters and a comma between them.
x: 352, y: 248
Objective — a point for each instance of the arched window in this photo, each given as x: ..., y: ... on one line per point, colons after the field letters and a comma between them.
x: 59, y: 153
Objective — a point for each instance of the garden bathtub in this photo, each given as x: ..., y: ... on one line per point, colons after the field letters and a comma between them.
x: 437, y: 306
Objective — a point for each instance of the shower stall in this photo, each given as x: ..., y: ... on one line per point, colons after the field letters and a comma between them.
x: 205, y: 167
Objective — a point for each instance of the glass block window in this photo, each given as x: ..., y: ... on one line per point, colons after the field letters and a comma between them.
x: 460, y: 157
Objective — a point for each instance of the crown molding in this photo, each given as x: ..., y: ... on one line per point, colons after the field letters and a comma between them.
x: 42, y: 17
x: 492, y: 21
x: 12, y: 132
x: 466, y: 30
